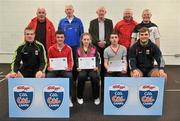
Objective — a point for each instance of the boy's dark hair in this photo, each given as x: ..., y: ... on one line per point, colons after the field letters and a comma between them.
x: 114, y: 32
x: 59, y: 32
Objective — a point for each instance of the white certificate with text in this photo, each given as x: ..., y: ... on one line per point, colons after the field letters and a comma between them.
x: 117, y: 66
x: 87, y: 62
x: 58, y: 63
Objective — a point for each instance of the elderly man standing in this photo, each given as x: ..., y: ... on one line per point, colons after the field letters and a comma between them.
x: 44, y: 28
x: 146, y: 22
x: 100, y: 30
x: 125, y: 28
x: 73, y: 28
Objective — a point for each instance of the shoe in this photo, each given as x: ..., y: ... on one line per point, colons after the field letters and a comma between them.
x: 80, y: 101
x: 70, y: 103
x: 97, y: 101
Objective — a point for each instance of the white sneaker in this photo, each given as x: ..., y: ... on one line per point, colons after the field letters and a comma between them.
x: 97, y: 101
x: 70, y: 103
x: 80, y: 101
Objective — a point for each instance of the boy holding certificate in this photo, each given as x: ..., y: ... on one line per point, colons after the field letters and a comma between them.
x: 61, y: 60
x: 88, y: 63
x: 115, y: 60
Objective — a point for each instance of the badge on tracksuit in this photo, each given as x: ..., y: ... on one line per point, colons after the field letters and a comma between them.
x: 147, y: 52
x: 36, y: 52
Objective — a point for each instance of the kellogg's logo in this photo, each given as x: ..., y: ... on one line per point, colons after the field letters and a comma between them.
x: 23, y: 95
x: 148, y: 94
x: 53, y: 95
x: 118, y: 94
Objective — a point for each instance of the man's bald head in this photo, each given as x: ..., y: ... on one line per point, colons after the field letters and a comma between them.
x: 101, y: 11
x: 41, y: 14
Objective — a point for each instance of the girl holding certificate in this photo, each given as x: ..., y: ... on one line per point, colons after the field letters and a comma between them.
x: 115, y: 60
x: 88, y: 63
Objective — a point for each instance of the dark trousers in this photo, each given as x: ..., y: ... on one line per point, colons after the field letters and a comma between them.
x: 82, y: 77
x: 62, y: 74
x: 28, y: 73
x: 102, y: 69
x: 116, y: 74
x: 74, y: 71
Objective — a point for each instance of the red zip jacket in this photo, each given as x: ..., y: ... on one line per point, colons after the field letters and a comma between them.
x: 125, y: 30
x: 50, y: 31
x: 66, y: 51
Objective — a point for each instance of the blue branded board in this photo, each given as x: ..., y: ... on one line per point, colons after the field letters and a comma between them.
x: 133, y: 96
x: 38, y: 98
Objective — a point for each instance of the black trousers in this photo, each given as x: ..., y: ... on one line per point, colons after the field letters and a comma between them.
x: 82, y: 77
x: 28, y: 73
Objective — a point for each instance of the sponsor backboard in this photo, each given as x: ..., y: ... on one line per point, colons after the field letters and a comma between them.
x: 42, y: 98
x: 133, y: 96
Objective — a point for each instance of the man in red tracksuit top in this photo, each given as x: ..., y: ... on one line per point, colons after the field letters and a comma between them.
x: 44, y: 28
x: 61, y: 50
x: 125, y: 28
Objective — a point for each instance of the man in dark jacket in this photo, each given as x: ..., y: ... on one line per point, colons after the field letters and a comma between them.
x: 142, y: 55
x: 29, y: 58
x: 100, y: 30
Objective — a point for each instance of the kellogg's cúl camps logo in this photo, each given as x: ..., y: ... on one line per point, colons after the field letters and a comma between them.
x: 148, y: 95
x: 53, y: 95
x: 118, y: 94
x: 23, y: 95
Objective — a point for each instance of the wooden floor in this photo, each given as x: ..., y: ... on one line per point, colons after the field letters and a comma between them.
x: 90, y: 112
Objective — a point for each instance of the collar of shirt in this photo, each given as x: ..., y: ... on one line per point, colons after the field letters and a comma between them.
x: 101, y: 20
x: 70, y: 19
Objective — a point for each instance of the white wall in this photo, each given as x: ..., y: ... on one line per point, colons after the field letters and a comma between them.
x: 16, y: 14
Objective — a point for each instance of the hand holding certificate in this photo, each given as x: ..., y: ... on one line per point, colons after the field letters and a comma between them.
x: 87, y: 62
x: 58, y: 63
x: 117, y: 66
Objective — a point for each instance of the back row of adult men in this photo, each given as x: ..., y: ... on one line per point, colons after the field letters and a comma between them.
x: 100, y: 29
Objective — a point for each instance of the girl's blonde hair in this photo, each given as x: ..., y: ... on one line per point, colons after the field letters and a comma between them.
x: 81, y: 43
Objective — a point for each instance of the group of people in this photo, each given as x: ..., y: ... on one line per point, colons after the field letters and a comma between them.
x: 138, y: 45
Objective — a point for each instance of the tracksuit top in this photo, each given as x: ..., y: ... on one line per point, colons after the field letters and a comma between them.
x: 50, y: 31
x: 153, y: 28
x: 142, y: 57
x: 72, y: 31
x: 125, y: 30
x: 29, y: 56
x: 66, y: 51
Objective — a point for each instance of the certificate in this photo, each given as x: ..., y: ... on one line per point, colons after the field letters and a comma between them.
x: 87, y: 62
x: 58, y: 63
x: 117, y: 66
